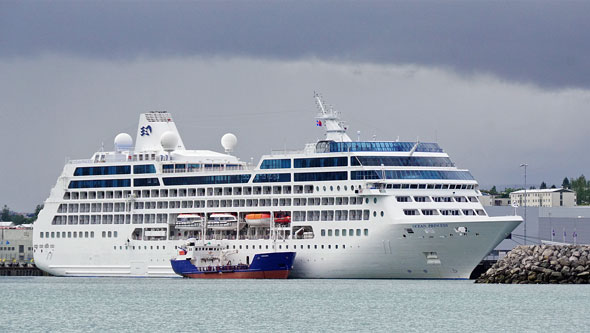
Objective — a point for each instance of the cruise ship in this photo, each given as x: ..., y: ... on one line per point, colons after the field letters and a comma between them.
x: 349, y: 209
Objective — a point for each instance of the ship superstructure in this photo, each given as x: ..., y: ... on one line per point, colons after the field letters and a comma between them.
x: 349, y: 209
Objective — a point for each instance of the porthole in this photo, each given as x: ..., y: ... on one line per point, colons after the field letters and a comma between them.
x: 345, y: 188
x: 382, y: 214
x: 324, y: 188
x: 317, y: 188
x: 374, y: 214
x: 331, y: 188
x: 338, y: 188
x: 367, y: 200
x: 375, y: 200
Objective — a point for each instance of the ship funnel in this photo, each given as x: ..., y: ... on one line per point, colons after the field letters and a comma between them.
x: 152, y: 127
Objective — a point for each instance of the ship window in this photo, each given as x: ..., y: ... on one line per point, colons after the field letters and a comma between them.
x: 358, y: 232
x: 276, y: 164
x: 403, y: 199
x: 343, y: 232
x: 337, y: 232
x: 320, y: 162
x: 323, y: 232
x: 103, y: 170
x: 144, y: 168
x: 205, y: 180
x: 272, y: 177
x: 401, y: 161
x: 320, y: 176
x: 329, y: 232
x: 92, y: 234
x: 366, y: 232
x: 411, y: 174
x: 99, y: 183
x: 322, y: 246
x: 350, y: 232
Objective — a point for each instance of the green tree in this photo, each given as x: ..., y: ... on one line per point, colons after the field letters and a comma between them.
x: 565, y: 183
x: 493, y: 190
x: 543, y: 186
x: 553, y: 186
x: 5, y: 215
x: 507, y: 191
x: 36, y: 214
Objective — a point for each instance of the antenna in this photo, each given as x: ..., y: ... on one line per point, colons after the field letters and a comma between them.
x: 319, y: 102
x: 358, y: 135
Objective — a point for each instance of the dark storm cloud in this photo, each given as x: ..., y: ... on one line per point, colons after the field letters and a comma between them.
x: 546, y: 43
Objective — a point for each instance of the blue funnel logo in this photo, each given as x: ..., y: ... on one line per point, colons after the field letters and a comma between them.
x: 146, y: 130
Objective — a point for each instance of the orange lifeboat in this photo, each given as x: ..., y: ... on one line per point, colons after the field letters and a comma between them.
x: 258, y: 219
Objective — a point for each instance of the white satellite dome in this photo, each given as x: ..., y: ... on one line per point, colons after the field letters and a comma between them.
x: 169, y: 141
x: 229, y: 142
x: 123, y: 141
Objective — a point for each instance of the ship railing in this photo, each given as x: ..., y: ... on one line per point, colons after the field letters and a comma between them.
x: 286, y: 151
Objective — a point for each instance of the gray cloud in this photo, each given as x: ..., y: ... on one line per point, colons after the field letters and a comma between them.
x: 54, y: 107
x: 545, y: 43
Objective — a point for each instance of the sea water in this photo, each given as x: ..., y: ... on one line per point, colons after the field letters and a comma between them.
x: 31, y: 304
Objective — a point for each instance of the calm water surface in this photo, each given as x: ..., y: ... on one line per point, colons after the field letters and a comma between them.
x: 104, y: 304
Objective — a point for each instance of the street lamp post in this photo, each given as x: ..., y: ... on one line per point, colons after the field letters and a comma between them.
x: 525, y: 199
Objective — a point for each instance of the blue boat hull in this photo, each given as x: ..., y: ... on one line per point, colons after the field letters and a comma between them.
x: 274, y: 265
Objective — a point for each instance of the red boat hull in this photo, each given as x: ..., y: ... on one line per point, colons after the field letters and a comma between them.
x: 241, y: 275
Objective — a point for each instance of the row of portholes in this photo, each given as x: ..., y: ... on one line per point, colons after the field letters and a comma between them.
x: 425, y: 271
x: 338, y: 188
x: 375, y: 213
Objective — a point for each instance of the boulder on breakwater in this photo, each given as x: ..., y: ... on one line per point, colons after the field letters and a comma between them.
x: 541, y: 264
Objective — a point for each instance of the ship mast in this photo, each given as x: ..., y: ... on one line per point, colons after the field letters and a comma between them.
x: 330, y: 119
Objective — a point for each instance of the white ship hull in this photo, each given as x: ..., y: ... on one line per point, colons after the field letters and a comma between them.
x: 387, y: 255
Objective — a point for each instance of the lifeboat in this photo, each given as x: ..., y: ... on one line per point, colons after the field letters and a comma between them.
x: 189, y: 221
x: 283, y: 219
x: 258, y: 219
x: 222, y: 221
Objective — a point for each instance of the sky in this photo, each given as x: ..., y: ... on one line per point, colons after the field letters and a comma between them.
x: 496, y: 83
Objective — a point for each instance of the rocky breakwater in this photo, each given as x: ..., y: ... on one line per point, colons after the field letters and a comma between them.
x: 541, y: 264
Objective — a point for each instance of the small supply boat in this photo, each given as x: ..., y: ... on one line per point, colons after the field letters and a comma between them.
x: 258, y: 219
x: 189, y: 221
x: 215, y: 262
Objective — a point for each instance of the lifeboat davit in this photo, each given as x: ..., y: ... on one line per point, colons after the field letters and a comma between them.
x: 258, y: 219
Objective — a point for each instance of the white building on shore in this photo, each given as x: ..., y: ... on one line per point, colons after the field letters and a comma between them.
x: 552, y: 197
